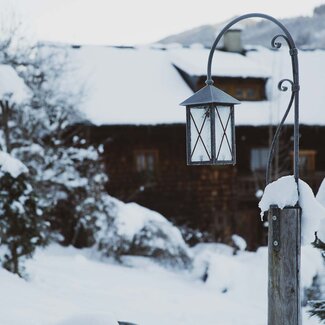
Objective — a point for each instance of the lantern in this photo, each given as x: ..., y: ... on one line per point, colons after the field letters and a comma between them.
x: 210, y: 127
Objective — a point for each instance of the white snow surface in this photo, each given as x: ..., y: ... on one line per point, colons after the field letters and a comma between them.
x: 129, y: 86
x: 134, y: 226
x: 132, y: 217
x: 90, y: 319
x: 11, y: 165
x: 320, y: 196
x: 283, y: 192
x: 68, y: 286
x: 141, y: 86
x: 311, y: 80
x: 225, y: 64
x: 12, y: 87
x: 240, y: 242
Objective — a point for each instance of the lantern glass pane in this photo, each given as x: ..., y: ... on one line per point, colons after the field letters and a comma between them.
x: 200, y: 132
x: 223, y: 132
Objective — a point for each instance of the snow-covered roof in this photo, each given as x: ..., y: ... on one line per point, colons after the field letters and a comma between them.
x: 225, y: 64
x: 141, y: 86
x: 130, y: 86
x: 12, y: 86
x: 312, y: 95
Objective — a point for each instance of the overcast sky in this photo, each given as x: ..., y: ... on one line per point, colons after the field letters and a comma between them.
x: 136, y: 21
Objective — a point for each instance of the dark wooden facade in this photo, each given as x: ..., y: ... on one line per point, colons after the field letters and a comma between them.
x: 147, y: 165
x: 252, y: 89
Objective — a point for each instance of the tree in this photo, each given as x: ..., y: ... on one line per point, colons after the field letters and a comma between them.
x: 73, y: 185
x: 22, y: 227
x: 66, y: 173
x: 318, y: 306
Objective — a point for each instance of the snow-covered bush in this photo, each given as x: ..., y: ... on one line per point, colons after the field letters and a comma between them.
x: 239, y: 243
x: 72, y: 181
x: 195, y: 236
x: 67, y: 173
x: 318, y: 305
x: 69, y: 179
x: 204, y: 253
x: 22, y: 227
x: 135, y: 230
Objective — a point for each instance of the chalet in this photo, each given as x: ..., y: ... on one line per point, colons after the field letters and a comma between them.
x: 133, y: 106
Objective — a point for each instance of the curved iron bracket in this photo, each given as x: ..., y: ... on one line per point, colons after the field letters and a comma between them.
x: 294, y: 85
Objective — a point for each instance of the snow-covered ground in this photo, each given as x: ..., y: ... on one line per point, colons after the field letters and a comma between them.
x: 73, y: 287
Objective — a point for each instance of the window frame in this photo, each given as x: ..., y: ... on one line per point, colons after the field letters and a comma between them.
x: 262, y: 159
x: 310, y: 154
x: 146, y: 166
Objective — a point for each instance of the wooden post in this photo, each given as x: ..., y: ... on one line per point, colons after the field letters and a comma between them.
x: 284, y: 266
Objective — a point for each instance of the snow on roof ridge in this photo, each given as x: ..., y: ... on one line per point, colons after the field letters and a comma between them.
x: 156, y: 88
x: 194, y: 61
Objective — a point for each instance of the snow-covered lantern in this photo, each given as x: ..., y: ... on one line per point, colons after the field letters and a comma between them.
x: 210, y: 127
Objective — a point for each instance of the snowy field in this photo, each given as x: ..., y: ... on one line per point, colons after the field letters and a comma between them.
x: 72, y: 287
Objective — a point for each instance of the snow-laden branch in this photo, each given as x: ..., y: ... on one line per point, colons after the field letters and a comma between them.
x: 11, y: 165
x: 12, y: 87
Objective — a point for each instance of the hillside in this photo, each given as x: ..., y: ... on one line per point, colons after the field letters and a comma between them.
x: 308, y: 32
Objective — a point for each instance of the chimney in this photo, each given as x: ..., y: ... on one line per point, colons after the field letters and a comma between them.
x: 232, y: 41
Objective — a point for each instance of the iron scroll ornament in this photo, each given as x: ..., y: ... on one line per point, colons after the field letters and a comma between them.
x: 294, y: 86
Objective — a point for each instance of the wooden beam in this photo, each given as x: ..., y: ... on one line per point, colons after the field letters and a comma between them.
x: 284, y: 307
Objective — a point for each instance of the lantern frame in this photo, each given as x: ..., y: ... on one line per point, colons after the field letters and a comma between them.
x: 211, y: 97
x: 213, y: 154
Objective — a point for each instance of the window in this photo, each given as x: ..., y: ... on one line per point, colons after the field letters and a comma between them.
x: 145, y: 160
x: 307, y: 160
x: 246, y: 93
x: 259, y: 158
x: 251, y: 94
x: 239, y: 93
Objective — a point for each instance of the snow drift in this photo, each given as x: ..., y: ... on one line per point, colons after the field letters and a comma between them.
x: 135, y: 230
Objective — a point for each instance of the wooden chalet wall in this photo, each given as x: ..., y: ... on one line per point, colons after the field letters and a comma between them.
x: 312, y: 139
x: 198, y: 196
x: 218, y: 199
x: 252, y: 89
x: 195, y: 196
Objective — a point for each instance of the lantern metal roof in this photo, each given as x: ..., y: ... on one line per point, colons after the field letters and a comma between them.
x: 210, y: 95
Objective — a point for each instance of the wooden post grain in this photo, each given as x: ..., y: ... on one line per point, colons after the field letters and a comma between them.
x: 284, y: 266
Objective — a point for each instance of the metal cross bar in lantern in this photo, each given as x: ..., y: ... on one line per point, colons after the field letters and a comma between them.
x: 210, y: 127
